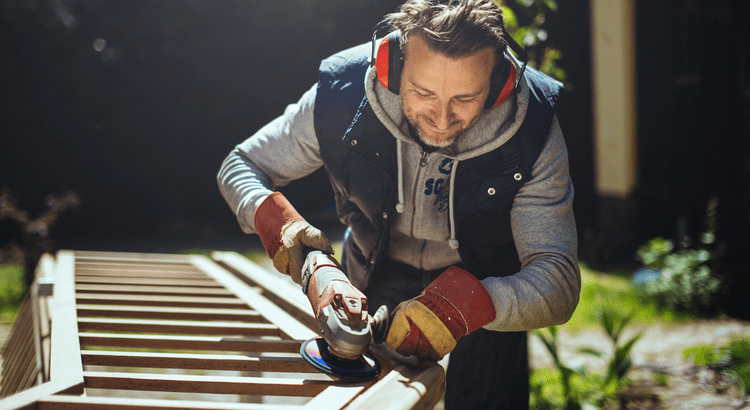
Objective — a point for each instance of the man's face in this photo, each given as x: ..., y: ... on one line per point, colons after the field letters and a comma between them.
x: 443, y: 96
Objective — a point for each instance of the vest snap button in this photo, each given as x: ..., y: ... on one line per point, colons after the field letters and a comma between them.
x: 385, y: 215
x: 354, y: 143
x: 517, y: 176
x: 491, y: 191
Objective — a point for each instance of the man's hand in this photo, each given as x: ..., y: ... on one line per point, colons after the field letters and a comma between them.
x: 454, y: 305
x: 285, y: 234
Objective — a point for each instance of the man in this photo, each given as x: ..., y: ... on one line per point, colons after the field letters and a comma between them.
x: 450, y: 171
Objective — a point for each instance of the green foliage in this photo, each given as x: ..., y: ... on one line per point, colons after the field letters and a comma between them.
x: 12, y: 288
x: 686, y: 280
x: 616, y: 294
x: 621, y: 362
x: 532, y: 36
x: 570, y: 388
x: 566, y: 373
x: 734, y: 357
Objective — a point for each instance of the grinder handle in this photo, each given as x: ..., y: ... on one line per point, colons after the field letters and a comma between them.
x: 324, y: 283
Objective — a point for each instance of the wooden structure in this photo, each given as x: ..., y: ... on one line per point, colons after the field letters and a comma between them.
x: 137, y: 331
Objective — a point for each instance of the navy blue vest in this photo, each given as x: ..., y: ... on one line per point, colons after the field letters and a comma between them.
x: 360, y: 156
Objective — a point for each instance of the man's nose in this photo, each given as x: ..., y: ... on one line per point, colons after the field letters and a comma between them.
x: 442, y: 115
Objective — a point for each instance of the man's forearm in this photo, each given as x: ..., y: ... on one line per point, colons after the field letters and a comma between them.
x: 244, y: 187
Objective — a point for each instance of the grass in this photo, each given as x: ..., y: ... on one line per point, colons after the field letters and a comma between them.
x: 734, y: 356
x: 615, y: 293
x: 12, y: 290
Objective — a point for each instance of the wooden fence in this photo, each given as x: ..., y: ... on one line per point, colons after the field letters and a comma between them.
x: 137, y: 331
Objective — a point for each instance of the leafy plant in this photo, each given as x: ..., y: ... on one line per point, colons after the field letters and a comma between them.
x: 685, y: 279
x: 621, y: 362
x: 576, y: 385
x: 731, y: 361
x: 533, y: 37
x: 566, y: 373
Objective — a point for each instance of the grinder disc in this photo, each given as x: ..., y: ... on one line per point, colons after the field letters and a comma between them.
x: 315, y: 351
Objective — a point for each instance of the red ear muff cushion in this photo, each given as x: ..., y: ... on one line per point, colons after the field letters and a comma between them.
x: 388, y: 62
x: 382, y: 62
x: 507, y: 88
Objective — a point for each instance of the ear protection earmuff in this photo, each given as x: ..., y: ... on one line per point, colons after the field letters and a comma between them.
x: 388, y: 61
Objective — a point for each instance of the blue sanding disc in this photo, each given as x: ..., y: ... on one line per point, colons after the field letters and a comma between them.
x: 315, y: 352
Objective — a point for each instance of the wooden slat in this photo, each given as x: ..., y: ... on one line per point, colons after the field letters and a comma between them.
x: 19, y: 353
x: 404, y: 388
x: 288, y: 324
x: 118, y: 403
x: 150, y: 273
x: 27, y: 399
x: 286, y: 295
x: 155, y: 312
x: 163, y: 300
x: 206, y: 384
x: 336, y: 397
x: 178, y: 327
x: 65, y: 357
x: 45, y: 271
x: 131, y: 257
x: 293, y: 364
x: 197, y: 343
x: 154, y: 290
x: 145, y: 281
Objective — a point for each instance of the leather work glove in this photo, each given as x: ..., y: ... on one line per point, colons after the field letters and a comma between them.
x: 285, y: 234
x: 453, y: 305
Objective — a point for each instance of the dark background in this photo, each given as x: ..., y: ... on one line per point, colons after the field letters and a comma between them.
x: 140, y: 128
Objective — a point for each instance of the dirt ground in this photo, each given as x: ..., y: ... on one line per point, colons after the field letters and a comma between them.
x: 659, y: 350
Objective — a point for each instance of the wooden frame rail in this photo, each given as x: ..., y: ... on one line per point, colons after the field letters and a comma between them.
x: 137, y: 331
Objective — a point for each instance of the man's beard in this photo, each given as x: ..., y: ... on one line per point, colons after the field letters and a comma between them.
x: 420, y: 135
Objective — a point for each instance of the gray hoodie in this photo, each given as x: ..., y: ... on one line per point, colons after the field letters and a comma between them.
x: 544, y: 293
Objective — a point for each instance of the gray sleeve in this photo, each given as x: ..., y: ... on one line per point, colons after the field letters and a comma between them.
x: 284, y: 150
x: 545, y: 291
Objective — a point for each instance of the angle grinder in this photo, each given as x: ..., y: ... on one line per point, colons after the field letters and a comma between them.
x: 341, y: 312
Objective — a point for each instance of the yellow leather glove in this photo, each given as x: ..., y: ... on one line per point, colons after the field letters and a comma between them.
x: 429, y: 326
x: 285, y: 234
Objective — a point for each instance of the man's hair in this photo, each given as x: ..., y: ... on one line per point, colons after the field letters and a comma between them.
x: 455, y: 28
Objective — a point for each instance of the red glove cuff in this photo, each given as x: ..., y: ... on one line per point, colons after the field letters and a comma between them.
x: 273, y: 213
x: 462, y: 297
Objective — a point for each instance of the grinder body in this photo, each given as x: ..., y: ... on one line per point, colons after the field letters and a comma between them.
x: 341, y: 312
x: 340, y: 309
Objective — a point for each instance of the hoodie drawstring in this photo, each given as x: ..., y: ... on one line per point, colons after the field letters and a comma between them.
x: 400, y: 205
x: 452, y: 242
